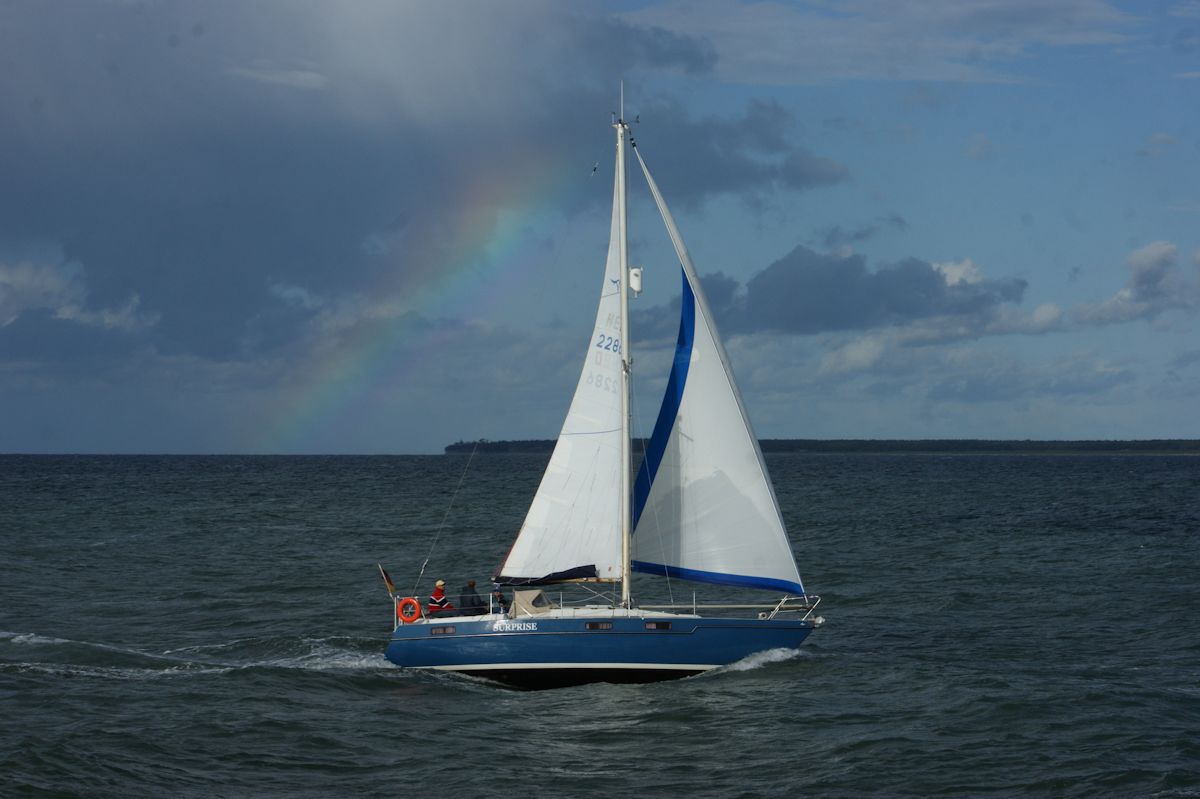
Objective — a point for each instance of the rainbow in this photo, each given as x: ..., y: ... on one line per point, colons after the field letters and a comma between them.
x: 484, y: 241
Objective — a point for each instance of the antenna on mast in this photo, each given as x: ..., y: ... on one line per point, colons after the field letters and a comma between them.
x: 622, y: 117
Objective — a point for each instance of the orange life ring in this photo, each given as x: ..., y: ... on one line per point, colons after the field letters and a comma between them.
x: 410, y: 610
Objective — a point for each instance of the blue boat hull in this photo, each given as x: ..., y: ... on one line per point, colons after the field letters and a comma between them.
x: 553, y: 652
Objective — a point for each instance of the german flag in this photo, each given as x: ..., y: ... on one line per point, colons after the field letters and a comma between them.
x: 387, y: 580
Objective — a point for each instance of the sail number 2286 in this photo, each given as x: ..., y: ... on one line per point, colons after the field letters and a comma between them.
x: 608, y: 343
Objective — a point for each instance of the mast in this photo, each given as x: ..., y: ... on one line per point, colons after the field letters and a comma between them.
x: 626, y: 360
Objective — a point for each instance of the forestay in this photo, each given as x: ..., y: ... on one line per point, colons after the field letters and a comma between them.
x: 704, y: 508
x: 573, y: 527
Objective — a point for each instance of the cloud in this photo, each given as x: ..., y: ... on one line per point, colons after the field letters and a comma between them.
x: 857, y: 355
x: 928, y: 97
x: 1187, y: 9
x: 955, y: 272
x: 838, y: 238
x: 1071, y: 217
x: 1186, y: 41
x: 202, y: 163
x: 1185, y: 359
x: 843, y: 369
x: 60, y: 289
x: 27, y: 286
x: 751, y: 155
x: 807, y: 292
x: 1156, y: 145
x: 884, y: 350
x: 980, y: 147
x: 945, y: 40
x: 296, y: 296
x: 296, y: 78
x: 1045, y: 317
x: 1064, y: 377
x: 1155, y: 285
x: 248, y: 199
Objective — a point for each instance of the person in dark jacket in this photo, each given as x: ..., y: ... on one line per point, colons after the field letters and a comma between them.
x: 469, y: 602
x: 499, y: 603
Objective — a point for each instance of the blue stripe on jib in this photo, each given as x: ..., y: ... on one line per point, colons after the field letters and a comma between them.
x: 670, y: 404
x: 739, y: 580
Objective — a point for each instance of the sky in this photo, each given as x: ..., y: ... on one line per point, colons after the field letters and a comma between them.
x: 380, y: 227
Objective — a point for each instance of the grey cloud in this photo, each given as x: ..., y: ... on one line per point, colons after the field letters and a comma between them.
x: 1185, y: 359
x: 752, y: 155
x: 296, y: 78
x: 1069, y: 377
x: 620, y: 43
x: 198, y: 156
x: 1186, y: 40
x: 1072, y: 218
x: 1156, y: 144
x: 807, y: 292
x: 1155, y: 285
x: 150, y: 401
x: 1072, y: 22
x: 852, y: 364
x: 980, y: 147
x: 660, y: 324
x: 803, y: 170
x: 930, y: 97
x: 48, y: 346
x: 61, y: 289
x: 836, y: 237
x: 944, y: 41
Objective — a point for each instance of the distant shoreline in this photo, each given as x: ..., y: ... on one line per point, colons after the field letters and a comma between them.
x: 1158, y: 446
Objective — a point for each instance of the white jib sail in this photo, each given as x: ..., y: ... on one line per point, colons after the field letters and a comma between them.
x: 704, y: 507
x: 573, y: 527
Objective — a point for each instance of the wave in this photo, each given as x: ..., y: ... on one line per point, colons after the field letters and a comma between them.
x: 325, y: 655
x: 30, y: 638
x: 33, y: 653
x: 760, y: 659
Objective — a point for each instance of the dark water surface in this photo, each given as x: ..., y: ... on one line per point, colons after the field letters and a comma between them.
x: 214, y: 626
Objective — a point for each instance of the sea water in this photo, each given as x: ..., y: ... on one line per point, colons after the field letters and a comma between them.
x: 215, y: 626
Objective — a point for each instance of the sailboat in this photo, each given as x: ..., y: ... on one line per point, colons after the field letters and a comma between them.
x: 701, y: 508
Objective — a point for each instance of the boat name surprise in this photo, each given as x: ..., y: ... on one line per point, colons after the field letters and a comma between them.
x: 514, y: 626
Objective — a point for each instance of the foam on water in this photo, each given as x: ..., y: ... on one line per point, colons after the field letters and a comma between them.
x: 324, y: 655
x: 61, y: 656
x: 30, y: 638
x: 764, y: 658
x: 112, y: 672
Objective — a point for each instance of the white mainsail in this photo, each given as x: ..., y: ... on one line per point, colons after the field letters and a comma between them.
x: 704, y: 508
x: 573, y: 527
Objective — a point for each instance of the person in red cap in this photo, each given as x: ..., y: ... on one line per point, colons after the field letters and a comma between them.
x: 438, y: 603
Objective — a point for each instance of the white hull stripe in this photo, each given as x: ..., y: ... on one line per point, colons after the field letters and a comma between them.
x: 629, y: 666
